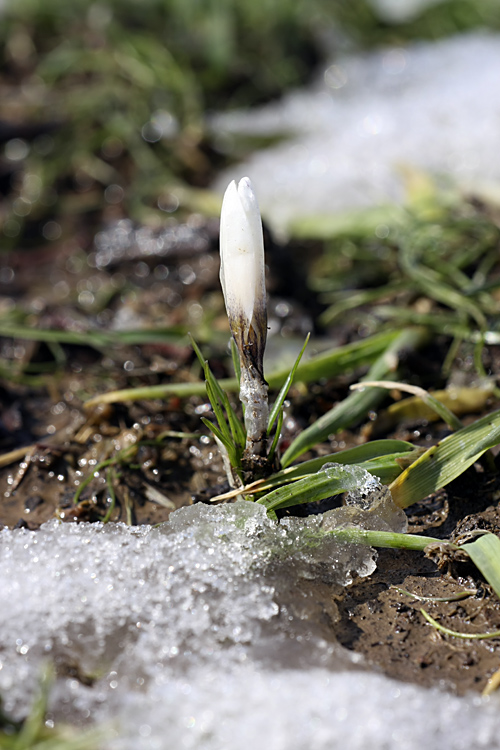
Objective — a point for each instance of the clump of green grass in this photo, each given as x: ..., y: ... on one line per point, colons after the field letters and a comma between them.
x: 436, y: 266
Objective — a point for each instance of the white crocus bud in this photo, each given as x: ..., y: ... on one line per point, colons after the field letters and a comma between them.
x: 243, y: 284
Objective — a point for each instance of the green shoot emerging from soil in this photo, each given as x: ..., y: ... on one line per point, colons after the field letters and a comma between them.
x: 244, y: 448
x: 242, y: 279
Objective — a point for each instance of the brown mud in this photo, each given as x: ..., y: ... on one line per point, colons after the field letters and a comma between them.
x: 139, y: 461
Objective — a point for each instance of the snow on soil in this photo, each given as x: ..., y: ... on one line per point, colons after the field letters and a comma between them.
x: 192, y: 635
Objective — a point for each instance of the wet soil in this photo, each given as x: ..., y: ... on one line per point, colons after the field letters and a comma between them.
x: 138, y: 461
x: 381, y: 618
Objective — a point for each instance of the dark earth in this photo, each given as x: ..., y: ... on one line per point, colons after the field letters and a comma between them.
x: 150, y: 457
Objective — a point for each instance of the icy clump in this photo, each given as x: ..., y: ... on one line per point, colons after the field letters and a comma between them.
x: 367, y: 503
x: 434, y: 106
x: 199, y: 634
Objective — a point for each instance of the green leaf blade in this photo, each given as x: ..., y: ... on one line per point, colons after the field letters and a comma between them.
x: 360, y: 454
x: 446, y: 461
x: 485, y: 554
x: 285, y: 388
x: 353, y: 408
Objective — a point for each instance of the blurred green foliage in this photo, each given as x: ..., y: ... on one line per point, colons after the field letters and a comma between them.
x: 122, y: 88
x: 229, y: 50
x: 434, y: 263
x: 35, y: 733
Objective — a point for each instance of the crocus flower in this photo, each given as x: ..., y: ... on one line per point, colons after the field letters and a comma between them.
x: 243, y: 284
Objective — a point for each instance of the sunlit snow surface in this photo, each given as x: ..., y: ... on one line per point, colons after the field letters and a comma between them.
x: 194, y: 636
x: 434, y: 106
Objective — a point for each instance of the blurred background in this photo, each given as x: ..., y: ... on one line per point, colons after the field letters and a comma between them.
x: 104, y: 105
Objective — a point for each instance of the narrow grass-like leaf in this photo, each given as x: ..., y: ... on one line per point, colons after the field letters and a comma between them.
x: 166, y: 434
x: 227, y: 443
x: 358, y: 404
x: 123, y: 456
x: 331, y: 480
x: 445, y: 323
x: 485, y: 554
x: 237, y: 429
x: 385, y: 539
x: 236, y: 360
x: 307, y: 490
x: 458, y: 400
x: 215, y: 385
x: 450, y: 598
x: 217, y: 409
x: 278, y: 404
x: 276, y: 437
x: 346, y: 413
x: 455, y: 634
x: 197, y: 351
x: 446, y: 461
x: 435, y: 287
x: 96, y: 339
x: 85, y: 482
x: 387, y: 468
x: 431, y: 401
x: 351, y: 299
x: 338, y: 360
x: 219, y: 398
x: 148, y: 392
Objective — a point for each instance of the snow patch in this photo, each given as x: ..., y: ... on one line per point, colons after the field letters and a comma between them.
x: 434, y: 106
x: 201, y: 633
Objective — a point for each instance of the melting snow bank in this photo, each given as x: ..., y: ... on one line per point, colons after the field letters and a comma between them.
x: 206, y: 632
x: 434, y: 106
